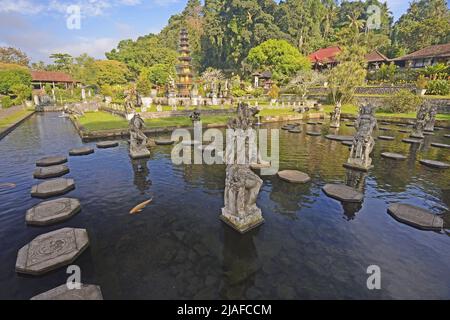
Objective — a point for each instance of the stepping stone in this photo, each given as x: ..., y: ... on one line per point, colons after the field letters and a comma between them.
x: 339, y: 138
x: 384, y: 123
x: 51, y: 161
x: 350, y: 124
x: 50, y: 172
x: 414, y: 136
x: 440, y: 145
x: 52, y: 188
x: 391, y: 155
x: 83, y: 151
x: 343, y: 193
x: 191, y: 143
x: 404, y: 131
x: 320, y: 123
x: 288, y: 127
x: 164, y: 142
x: 314, y: 134
x: 416, y: 217
x: 386, y: 138
x: 295, y: 131
x: 428, y: 133
x: 384, y: 129
x: 53, y: 211
x: 86, y: 292
x: 347, y: 143
x: 259, y: 166
x: 447, y: 135
x: 107, y: 144
x: 312, y: 123
x: 293, y: 176
x: 412, y: 141
x: 51, y: 250
x: 435, y: 164
x: 401, y: 125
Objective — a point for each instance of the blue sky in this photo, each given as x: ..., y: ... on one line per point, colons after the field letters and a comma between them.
x: 38, y: 27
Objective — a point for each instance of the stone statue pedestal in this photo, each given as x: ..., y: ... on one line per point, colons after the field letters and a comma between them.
x: 357, y: 166
x: 139, y: 154
x: 242, y: 224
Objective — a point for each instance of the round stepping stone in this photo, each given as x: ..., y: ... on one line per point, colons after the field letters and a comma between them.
x: 389, y: 138
x: 416, y: 217
x: 314, y: 134
x: 392, y: 155
x: 51, y: 250
x: 384, y: 129
x: 339, y: 138
x: 295, y: 131
x: 51, y: 161
x: 435, y: 164
x: 293, y: 176
x: 259, y: 166
x: 342, y: 193
x: 412, y: 141
x: 347, y: 143
x: 51, y: 172
x: 107, y: 144
x: 53, y: 211
x: 52, y: 188
x: 163, y: 142
x: 440, y: 145
x: 86, y: 292
x: 83, y: 151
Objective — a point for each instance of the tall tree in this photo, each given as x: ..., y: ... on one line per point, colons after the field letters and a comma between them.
x: 62, y: 61
x: 13, y: 55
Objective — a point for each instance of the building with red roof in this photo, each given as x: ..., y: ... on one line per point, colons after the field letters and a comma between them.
x: 40, y: 78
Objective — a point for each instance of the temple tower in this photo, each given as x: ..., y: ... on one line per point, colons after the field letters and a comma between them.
x: 184, y: 68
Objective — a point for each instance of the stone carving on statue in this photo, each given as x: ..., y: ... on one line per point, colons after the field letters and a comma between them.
x: 131, y: 100
x: 363, y: 142
x: 195, y: 116
x: 419, y: 125
x: 336, y: 115
x: 431, y: 118
x: 138, y: 139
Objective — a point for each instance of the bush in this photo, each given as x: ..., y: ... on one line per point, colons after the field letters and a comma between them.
x: 21, y: 92
x: 238, y: 92
x: 6, y: 102
x: 11, y: 77
x: 403, y: 101
x: 438, y: 87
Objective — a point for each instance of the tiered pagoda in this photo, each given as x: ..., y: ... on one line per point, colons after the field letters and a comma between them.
x: 184, y: 68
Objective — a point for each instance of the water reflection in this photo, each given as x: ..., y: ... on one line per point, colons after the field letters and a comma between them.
x: 141, y: 175
x: 356, y: 180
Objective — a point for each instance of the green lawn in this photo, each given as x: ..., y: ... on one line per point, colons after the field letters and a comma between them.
x: 10, y: 120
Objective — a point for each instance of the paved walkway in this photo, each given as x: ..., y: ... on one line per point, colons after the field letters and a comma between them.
x: 10, y: 111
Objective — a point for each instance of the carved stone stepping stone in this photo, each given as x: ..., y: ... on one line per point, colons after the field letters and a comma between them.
x: 293, y: 176
x: 163, y: 142
x: 435, y: 164
x: 412, y: 141
x: 384, y: 129
x: 107, y: 144
x: 416, y: 217
x: 347, y: 143
x: 343, y: 193
x: 314, y: 134
x: 86, y: 292
x: 51, y: 161
x: 440, y: 145
x: 392, y: 155
x: 389, y: 138
x: 295, y: 131
x: 53, y: 211
x: 51, y: 250
x: 83, y: 151
x: 50, y: 172
x: 52, y: 188
x: 339, y: 138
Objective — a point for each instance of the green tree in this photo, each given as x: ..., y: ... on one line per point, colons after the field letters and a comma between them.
x: 159, y: 74
x: 279, y: 57
x: 143, y: 84
x: 110, y: 72
x: 13, y: 55
x: 62, y: 61
x: 12, y: 75
x: 84, y: 69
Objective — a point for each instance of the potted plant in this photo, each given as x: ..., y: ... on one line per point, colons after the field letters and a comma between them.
x: 421, y: 85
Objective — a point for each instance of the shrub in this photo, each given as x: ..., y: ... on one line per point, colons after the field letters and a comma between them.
x: 438, y: 87
x: 21, y: 92
x: 421, y: 82
x: 402, y: 102
x: 238, y: 92
x: 11, y: 77
x: 6, y: 102
x: 274, y: 92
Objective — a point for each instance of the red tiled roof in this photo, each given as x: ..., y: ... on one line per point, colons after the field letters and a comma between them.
x: 436, y: 51
x: 325, y: 55
x: 376, y: 56
x: 51, y: 76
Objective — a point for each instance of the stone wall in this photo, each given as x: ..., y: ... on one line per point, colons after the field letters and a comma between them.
x: 367, y: 90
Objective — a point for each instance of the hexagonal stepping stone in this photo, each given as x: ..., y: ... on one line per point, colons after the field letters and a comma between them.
x: 86, y: 292
x: 435, y: 164
x: 392, y: 155
x: 294, y: 176
x: 343, y: 193
x: 83, y: 151
x: 51, y: 161
x: 411, y: 141
x: 51, y: 172
x: 164, y: 142
x: 295, y: 131
x: 50, y: 212
x: 107, y: 144
x: 52, y: 188
x: 440, y: 145
x: 313, y: 133
x: 416, y: 217
x: 347, y: 143
x: 51, y: 250
x: 389, y: 138
x: 339, y: 137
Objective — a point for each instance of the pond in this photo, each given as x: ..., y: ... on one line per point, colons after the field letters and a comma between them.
x: 310, y: 247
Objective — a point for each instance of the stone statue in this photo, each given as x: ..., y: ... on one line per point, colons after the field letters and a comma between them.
x: 420, y: 121
x: 431, y: 118
x: 336, y: 116
x: 131, y: 100
x: 195, y: 116
x: 138, y: 140
x: 242, y: 185
x: 363, y: 142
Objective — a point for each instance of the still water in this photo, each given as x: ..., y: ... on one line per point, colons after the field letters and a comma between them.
x: 310, y: 246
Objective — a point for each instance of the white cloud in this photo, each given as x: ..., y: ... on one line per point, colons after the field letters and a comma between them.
x: 95, y: 47
x: 20, y: 6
